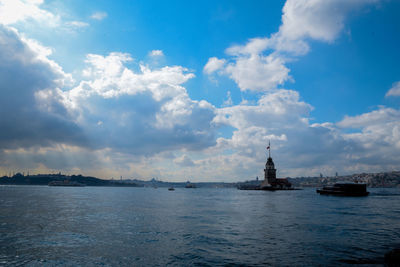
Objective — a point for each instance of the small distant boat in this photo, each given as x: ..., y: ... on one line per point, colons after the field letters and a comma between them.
x: 65, y: 183
x: 190, y: 185
x: 345, y: 189
x: 171, y: 189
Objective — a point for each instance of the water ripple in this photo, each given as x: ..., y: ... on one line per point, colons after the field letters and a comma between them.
x: 204, y: 227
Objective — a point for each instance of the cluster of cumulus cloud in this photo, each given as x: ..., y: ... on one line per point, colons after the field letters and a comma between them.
x: 143, y: 123
x: 303, y: 147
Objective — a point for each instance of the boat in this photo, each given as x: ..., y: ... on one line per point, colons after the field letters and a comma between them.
x: 171, y: 189
x: 345, y: 189
x: 189, y: 185
x: 65, y: 183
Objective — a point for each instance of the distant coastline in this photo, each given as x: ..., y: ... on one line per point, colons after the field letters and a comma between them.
x: 382, y: 179
x: 45, y: 179
x: 378, y: 180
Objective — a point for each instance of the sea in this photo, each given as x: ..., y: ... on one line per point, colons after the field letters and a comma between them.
x: 126, y: 226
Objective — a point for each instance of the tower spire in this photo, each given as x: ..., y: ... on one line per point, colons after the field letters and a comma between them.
x: 269, y: 148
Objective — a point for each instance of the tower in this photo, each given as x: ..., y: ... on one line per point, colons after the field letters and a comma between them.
x: 270, y: 171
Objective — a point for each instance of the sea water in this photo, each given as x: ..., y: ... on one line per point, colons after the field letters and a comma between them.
x: 111, y: 226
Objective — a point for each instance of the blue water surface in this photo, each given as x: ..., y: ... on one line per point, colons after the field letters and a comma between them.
x: 113, y: 226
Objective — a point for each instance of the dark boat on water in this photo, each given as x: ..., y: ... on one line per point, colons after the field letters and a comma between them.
x: 190, y: 185
x: 345, y: 189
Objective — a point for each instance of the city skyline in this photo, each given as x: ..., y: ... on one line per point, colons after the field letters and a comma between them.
x: 175, y: 90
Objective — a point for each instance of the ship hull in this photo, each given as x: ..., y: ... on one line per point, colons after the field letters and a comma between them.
x: 345, y: 189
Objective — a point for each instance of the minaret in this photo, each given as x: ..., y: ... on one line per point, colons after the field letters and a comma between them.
x: 270, y: 171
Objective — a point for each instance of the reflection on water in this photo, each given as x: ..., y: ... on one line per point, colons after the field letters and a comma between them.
x: 146, y: 226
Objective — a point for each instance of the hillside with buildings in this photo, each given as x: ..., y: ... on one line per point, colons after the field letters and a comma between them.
x: 382, y: 179
x: 45, y: 179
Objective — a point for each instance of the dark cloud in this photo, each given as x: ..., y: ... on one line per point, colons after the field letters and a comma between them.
x: 35, y: 115
x: 22, y: 74
x: 129, y: 124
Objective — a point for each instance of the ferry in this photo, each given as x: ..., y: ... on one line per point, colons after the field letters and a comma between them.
x: 345, y: 189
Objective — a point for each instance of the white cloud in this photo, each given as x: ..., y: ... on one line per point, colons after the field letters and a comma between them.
x: 145, y: 106
x: 254, y: 46
x: 258, y: 73
x: 378, y: 139
x: 18, y: 12
x: 259, y: 65
x: 316, y: 19
x: 100, y: 15
x: 156, y: 53
x: 77, y: 24
x: 381, y: 116
x: 213, y: 65
x: 118, y: 120
x: 272, y: 118
x: 40, y: 54
x: 300, y: 148
x: 395, y: 90
x: 184, y: 161
x: 114, y: 113
x: 108, y: 77
x: 13, y: 11
x: 273, y: 109
x: 228, y: 101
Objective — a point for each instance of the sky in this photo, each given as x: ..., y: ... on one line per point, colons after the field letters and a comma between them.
x: 195, y: 90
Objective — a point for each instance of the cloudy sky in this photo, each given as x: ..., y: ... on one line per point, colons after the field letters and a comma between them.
x: 195, y: 90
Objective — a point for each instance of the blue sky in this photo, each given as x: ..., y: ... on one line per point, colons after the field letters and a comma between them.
x: 179, y: 90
